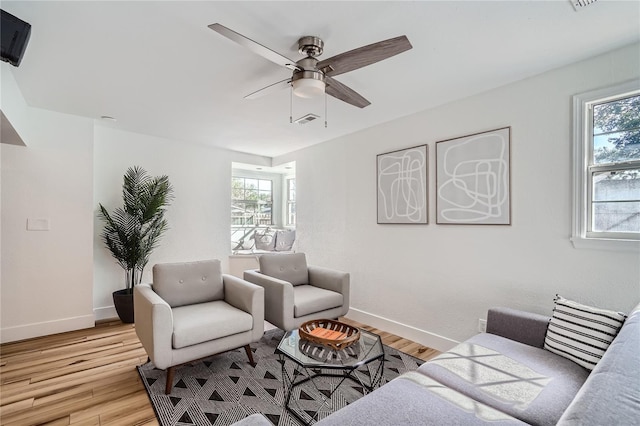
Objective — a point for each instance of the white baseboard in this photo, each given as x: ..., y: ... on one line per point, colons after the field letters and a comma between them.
x: 45, y: 328
x: 105, y: 313
x: 423, y: 337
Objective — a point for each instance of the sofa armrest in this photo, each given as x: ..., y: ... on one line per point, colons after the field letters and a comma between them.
x: 278, y: 295
x: 154, y: 324
x: 247, y: 297
x: 521, y: 326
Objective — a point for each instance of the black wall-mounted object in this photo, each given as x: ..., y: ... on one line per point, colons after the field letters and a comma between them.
x: 14, y: 36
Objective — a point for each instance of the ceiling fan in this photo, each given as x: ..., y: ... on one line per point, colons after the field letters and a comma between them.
x: 311, y: 76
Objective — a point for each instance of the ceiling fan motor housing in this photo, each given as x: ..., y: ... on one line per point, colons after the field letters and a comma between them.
x: 310, y: 45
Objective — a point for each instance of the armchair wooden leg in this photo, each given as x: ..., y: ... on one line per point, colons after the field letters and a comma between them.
x: 247, y: 349
x: 170, y: 373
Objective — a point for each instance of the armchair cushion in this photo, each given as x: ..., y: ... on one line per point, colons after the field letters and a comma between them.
x: 188, y: 283
x: 291, y: 267
x: 199, y: 323
x: 308, y: 299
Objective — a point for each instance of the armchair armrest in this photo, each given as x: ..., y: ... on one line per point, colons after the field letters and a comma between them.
x: 330, y: 279
x: 278, y: 295
x: 154, y: 324
x: 521, y: 326
x: 248, y: 297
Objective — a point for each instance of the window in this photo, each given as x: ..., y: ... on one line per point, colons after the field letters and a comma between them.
x: 607, y: 167
x: 251, y: 201
x: 262, y: 201
x: 291, y: 202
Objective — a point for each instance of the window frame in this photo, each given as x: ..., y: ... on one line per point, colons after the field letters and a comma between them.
x: 584, y: 169
x: 290, y: 202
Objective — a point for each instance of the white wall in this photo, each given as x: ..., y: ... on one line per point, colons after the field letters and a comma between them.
x: 46, y: 275
x: 199, y: 218
x: 432, y: 283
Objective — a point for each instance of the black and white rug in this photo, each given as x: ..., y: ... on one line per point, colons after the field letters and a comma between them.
x: 225, y: 388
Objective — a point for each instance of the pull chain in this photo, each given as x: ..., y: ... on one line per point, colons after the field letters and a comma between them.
x: 291, y: 105
x: 325, y: 109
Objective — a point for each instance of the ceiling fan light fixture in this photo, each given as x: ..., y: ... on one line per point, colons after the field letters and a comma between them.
x: 308, y: 87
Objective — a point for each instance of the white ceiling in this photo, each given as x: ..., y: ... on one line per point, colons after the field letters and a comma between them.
x: 158, y: 69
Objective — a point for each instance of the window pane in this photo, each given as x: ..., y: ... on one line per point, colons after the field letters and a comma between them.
x: 619, y: 185
x: 251, y: 183
x: 291, y: 214
x: 265, y: 196
x: 251, y: 194
x: 616, y: 217
x: 265, y: 185
x: 265, y: 209
x: 264, y: 214
x: 237, y: 193
x: 616, y: 201
x: 616, y: 130
x: 616, y: 147
x: 621, y: 114
x: 237, y: 188
x: 292, y: 189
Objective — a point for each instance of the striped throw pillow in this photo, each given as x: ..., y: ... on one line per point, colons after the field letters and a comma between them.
x: 581, y: 333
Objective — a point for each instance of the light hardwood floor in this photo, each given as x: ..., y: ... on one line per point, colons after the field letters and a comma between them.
x: 88, y: 377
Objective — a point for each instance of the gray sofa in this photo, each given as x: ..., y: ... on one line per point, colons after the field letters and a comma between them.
x: 505, y: 376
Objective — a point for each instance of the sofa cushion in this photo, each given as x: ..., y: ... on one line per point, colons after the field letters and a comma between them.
x: 308, y: 299
x: 415, y: 399
x: 187, y: 283
x: 611, y: 394
x: 199, y: 323
x: 581, y: 333
x: 287, y: 267
x: 528, y: 383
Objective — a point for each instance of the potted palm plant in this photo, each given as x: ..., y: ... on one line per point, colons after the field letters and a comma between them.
x: 133, y: 231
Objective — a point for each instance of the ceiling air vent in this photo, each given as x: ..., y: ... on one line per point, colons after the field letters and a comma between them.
x: 306, y: 118
x: 579, y: 4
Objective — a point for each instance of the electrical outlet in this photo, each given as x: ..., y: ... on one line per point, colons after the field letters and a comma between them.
x: 37, y: 224
x: 482, y: 325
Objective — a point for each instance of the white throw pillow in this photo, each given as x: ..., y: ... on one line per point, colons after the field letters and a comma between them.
x: 265, y: 240
x: 581, y: 333
x: 285, y: 239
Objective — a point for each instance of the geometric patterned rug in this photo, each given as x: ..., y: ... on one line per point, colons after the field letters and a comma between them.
x: 225, y: 388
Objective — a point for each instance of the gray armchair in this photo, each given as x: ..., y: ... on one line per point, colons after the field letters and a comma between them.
x: 192, y: 311
x: 295, y: 292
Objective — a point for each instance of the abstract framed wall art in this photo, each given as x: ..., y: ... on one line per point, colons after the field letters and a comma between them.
x: 473, y: 179
x: 402, y: 186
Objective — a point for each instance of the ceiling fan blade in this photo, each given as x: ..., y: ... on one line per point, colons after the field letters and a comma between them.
x: 344, y: 93
x: 269, y: 89
x: 363, y: 56
x: 254, y: 46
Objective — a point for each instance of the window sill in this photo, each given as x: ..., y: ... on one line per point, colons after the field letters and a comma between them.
x: 605, y: 244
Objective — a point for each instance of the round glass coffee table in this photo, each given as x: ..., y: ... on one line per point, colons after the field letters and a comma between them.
x: 362, y: 363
